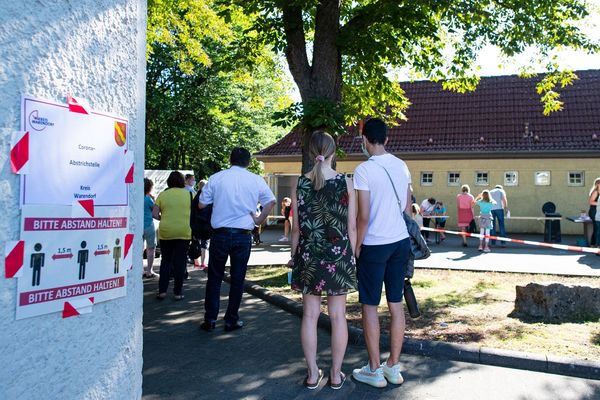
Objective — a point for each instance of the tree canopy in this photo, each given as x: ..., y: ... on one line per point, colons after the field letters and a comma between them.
x: 342, y: 54
x: 204, y: 95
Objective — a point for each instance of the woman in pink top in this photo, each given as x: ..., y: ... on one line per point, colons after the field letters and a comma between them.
x: 464, y: 205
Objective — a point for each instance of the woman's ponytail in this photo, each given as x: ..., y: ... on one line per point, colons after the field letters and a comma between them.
x: 321, y: 147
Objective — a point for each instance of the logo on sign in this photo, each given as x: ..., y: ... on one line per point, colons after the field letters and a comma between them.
x: 120, y: 133
x: 38, y: 123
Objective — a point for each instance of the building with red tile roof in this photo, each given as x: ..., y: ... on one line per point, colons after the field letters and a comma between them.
x: 496, y: 134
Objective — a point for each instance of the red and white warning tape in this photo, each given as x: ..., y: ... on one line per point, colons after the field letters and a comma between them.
x: 580, y: 249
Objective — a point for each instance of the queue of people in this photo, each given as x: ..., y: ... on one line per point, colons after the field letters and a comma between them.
x: 346, y: 235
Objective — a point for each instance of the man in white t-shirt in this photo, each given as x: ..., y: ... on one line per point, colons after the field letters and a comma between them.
x: 382, y: 250
x: 427, y: 207
x: 498, y: 211
x: 234, y: 194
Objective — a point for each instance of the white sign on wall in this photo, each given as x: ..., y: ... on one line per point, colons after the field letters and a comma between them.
x: 73, y: 156
x: 79, y: 260
x: 74, y: 247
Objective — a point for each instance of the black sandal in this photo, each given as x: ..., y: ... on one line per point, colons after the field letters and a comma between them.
x: 161, y: 296
x: 315, y: 385
x: 338, y: 386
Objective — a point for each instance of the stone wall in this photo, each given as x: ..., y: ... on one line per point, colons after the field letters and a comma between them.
x: 94, y: 49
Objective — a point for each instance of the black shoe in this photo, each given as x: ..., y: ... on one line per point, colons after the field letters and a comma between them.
x: 208, y: 326
x: 233, y: 327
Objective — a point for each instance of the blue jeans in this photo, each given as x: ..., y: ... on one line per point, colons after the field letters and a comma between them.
x: 498, y: 216
x: 597, y: 230
x: 237, y: 246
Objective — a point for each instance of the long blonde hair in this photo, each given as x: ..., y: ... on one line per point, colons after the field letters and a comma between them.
x: 595, y: 185
x: 321, y: 147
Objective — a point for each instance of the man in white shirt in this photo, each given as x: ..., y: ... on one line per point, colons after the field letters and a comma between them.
x: 427, y: 207
x: 382, y: 250
x: 498, y: 210
x: 234, y: 194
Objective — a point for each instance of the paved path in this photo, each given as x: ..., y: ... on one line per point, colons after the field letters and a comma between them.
x: 264, y: 361
x: 451, y: 255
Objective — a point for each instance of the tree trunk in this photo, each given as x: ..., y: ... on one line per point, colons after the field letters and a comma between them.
x: 323, y: 79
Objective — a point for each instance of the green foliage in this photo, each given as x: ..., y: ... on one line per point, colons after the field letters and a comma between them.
x: 203, y: 97
x: 437, y: 40
x: 313, y: 114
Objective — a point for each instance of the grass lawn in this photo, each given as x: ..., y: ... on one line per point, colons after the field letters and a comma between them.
x: 472, y: 308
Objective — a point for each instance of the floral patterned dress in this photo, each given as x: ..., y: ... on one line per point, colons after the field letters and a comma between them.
x: 323, y: 263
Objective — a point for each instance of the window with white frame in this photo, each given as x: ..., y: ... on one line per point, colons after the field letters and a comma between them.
x: 511, y: 178
x: 576, y: 178
x: 426, y: 178
x: 453, y: 178
x: 482, y: 178
x: 541, y: 178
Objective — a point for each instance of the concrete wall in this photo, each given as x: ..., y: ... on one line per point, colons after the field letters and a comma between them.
x: 94, y: 49
x: 525, y: 199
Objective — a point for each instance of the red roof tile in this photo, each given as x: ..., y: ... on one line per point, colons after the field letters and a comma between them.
x: 445, y: 123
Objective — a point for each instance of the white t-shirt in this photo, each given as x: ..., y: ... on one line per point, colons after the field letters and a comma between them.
x: 234, y: 194
x: 427, y: 208
x: 498, y: 195
x: 386, y: 224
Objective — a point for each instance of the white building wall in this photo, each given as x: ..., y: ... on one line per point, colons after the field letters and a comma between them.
x: 94, y: 49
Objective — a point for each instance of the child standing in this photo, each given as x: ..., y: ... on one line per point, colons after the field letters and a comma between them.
x: 438, y: 210
x: 485, y: 203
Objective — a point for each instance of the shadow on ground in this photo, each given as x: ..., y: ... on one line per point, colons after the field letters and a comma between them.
x: 264, y: 360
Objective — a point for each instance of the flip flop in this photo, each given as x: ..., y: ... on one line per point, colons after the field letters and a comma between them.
x: 338, y: 386
x: 161, y: 296
x: 315, y: 385
x: 179, y: 297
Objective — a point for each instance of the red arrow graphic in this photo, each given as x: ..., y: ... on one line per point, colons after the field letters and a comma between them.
x: 101, y: 252
x: 58, y: 256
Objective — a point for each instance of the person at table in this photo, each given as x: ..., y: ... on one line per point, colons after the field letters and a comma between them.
x: 440, y: 210
x: 427, y: 211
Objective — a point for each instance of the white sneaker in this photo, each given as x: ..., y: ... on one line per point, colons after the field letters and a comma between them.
x: 392, y: 374
x: 373, y: 378
x: 283, y: 239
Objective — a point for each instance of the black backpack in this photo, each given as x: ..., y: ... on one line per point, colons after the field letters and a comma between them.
x: 200, y: 219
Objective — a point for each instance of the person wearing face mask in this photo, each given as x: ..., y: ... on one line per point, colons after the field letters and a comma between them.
x: 190, y: 184
x: 383, y: 185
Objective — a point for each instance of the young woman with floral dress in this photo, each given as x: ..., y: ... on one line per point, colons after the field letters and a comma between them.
x: 323, y: 243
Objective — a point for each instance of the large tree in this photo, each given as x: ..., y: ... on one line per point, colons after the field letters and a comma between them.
x: 342, y: 53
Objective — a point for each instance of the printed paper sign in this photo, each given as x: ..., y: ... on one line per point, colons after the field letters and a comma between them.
x: 73, y: 156
x: 71, y: 259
